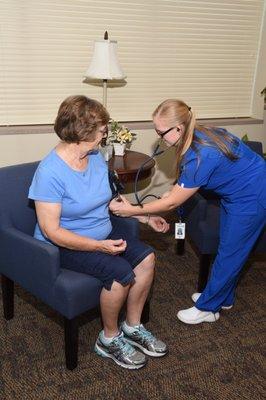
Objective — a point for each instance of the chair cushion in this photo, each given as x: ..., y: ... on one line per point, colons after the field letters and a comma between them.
x: 75, y: 293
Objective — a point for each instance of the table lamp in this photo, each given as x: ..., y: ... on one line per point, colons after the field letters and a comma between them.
x: 104, y: 64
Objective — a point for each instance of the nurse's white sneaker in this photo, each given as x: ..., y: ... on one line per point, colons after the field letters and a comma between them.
x: 196, y: 296
x: 194, y: 316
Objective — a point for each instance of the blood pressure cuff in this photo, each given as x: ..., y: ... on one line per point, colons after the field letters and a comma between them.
x: 115, y: 184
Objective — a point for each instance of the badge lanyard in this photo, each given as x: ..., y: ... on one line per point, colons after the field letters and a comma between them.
x: 180, y: 227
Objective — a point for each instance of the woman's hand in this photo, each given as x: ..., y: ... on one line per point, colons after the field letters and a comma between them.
x: 158, y: 224
x: 112, y: 247
x: 121, y: 207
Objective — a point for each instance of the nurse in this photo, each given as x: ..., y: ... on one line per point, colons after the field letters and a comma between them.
x: 213, y: 159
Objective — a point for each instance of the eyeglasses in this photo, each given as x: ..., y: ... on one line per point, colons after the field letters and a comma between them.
x: 104, y: 131
x: 162, y: 134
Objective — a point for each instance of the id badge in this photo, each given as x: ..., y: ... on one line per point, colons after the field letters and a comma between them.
x: 180, y: 228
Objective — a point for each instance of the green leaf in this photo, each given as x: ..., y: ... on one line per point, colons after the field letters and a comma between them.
x: 245, y: 138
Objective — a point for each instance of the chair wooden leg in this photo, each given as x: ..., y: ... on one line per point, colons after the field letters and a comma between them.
x: 71, y: 342
x: 145, y: 316
x: 180, y: 246
x: 8, y: 297
x: 204, y: 267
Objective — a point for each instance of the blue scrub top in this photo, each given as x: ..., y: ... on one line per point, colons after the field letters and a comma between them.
x: 83, y: 195
x: 240, y: 184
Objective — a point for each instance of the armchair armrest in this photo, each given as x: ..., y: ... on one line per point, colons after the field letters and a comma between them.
x: 28, y: 261
x: 202, y: 220
x: 196, y: 208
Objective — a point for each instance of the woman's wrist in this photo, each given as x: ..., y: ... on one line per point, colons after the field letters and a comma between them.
x: 144, y: 219
x: 95, y: 245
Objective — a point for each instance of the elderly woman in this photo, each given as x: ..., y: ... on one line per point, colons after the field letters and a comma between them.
x: 71, y: 192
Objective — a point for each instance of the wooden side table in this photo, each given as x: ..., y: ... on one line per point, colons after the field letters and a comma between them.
x: 127, y: 166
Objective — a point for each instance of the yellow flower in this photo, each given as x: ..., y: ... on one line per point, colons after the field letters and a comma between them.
x: 120, y: 134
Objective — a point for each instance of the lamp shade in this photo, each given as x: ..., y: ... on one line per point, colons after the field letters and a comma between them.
x: 104, y: 63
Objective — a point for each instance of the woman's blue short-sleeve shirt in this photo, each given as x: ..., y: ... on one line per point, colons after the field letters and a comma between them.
x: 83, y: 195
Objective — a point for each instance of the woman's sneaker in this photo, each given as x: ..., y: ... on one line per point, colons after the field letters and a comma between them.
x: 120, y: 351
x: 196, y: 296
x: 140, y: 337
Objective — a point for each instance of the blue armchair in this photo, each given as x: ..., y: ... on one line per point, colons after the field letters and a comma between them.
x: 201, y: 214
x: 35, y: 265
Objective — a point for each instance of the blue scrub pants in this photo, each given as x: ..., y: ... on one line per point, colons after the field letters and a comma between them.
x: 238, y: 234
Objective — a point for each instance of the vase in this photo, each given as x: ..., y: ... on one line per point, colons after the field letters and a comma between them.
x: 107, y: 151
x: 119, y: 149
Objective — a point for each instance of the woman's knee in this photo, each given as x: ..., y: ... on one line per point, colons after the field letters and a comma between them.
x: 120, y: 275
x: 149, y: 260
x: 119, y: 288
x: 147, y: 264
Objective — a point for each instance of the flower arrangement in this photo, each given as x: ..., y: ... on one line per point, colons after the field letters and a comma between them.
x: 120, y: 133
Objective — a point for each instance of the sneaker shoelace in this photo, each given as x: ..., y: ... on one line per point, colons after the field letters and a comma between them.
x: 123, y: 345
x: 145, y: 333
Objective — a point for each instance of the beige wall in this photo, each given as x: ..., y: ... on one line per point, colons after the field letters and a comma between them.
x: 16, y: 149
x: 260, y: 72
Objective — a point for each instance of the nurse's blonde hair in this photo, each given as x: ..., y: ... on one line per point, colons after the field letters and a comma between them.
x: 177, y: 112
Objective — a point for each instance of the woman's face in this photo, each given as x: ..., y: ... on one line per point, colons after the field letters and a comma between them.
x: 101, y: 133
x: 170, y: 134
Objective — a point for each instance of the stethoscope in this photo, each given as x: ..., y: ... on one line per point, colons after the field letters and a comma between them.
x: 156, y: 152
x: 179, y: 209
x: 119, y: 186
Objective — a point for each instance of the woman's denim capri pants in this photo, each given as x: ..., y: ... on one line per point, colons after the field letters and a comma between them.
x: 106, y: 267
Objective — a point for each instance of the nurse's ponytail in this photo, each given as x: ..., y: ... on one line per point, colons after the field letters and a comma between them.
x: 177, y: 112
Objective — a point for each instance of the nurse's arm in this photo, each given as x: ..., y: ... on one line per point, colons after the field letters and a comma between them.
x: 177, y: 196
x: 48, y: 215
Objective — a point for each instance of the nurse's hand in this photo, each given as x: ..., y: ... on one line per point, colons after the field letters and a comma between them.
x: 158, y: 224
x: 112, y: 247
x: 121, y: 207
